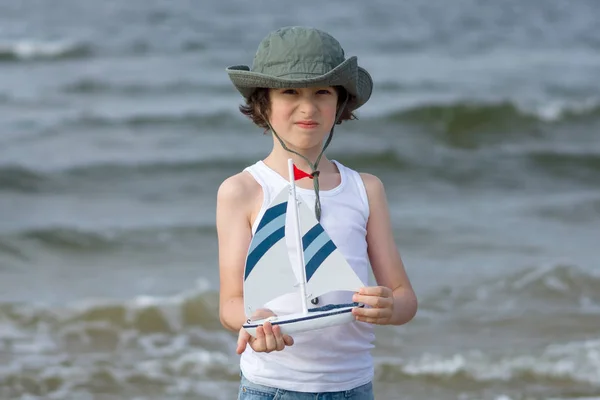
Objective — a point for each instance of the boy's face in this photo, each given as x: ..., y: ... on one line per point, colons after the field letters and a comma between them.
x: 303, y: 117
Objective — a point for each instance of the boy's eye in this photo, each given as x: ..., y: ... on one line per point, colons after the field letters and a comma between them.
x: 289, y: 91
x: 324, y: 91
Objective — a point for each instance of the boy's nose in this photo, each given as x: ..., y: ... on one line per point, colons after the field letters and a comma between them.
x: 307, y: 106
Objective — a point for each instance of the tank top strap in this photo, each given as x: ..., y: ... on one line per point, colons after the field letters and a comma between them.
x: 260, y: 176
x: 355, y: 184
x: 269, y: 181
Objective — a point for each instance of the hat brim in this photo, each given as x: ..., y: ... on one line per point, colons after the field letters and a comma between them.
x: 349, y: 75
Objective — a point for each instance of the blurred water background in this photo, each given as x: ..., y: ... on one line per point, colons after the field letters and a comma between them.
x: 118, y: 123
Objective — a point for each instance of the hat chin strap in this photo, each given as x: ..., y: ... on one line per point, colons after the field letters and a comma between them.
x: 314, y: 171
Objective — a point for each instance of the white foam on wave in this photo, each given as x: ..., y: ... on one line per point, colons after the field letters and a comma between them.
x: 576, y: 361
x: 555, y: 110
x: 29, y: 49
x: 196, y: 362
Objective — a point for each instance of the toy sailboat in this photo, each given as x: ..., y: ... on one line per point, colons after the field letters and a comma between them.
x: 269, y: 272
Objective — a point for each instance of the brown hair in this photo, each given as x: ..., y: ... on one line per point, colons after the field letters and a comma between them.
x: 258, y: 105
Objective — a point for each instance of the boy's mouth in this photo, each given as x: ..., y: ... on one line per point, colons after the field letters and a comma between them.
x: 307, y: 124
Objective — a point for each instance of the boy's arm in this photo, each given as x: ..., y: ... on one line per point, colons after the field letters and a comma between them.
x: 234, y: 235
x: 385, y: 260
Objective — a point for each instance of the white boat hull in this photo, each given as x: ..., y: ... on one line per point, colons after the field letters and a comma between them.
x: 295, y: 323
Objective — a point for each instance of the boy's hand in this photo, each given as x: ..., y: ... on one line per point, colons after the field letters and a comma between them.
x: 268, y: 338
x: 381, y: 301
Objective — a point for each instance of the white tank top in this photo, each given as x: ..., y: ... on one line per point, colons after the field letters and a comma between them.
x: 335, y: 358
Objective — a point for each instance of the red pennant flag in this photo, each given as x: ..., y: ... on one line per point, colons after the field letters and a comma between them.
x: 299, y: 174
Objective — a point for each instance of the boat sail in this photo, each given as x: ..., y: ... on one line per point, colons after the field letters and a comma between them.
x: 269, y: 272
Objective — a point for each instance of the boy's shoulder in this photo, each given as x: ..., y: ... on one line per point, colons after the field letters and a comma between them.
x: 370, y: 179
x: 238, y: 188
x: 374, y: 188
x: 371, y: 182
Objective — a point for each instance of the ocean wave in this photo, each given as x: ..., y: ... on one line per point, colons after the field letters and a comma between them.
x: 463, y: 117
x: 194, y: 120
x: 166, y: 343
x: 563, y: 363
x: 20, y: 179
x: 72, y: 239
x: 584, y: 210
x: 7, y: 248
x: 28, y: 180
x: 550, y: 288
x: 121, y: 347
x: 197, y: 307
x: 190, y: 373
x: 565, y: 164
x: 26, y: 50
x: 94, y: 86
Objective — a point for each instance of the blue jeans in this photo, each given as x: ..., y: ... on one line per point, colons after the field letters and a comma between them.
x: 253, y: 391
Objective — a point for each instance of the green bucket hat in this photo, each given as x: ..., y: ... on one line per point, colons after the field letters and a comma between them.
x: 298, y: 57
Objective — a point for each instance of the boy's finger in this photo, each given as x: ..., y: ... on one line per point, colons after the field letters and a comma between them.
x: 365, y: 299
x: 258, y: 344
x: 369, y: 320
x: 379, y: 291
x: 243, y: 338
x: 288, y: 340
x: 278, y: 338
x: 373, y: 301
x: 270, y: 342
x: 358, y: 311
x: 371, y: 312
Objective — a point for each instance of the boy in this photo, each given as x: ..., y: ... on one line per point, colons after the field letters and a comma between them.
x: 301, y: 86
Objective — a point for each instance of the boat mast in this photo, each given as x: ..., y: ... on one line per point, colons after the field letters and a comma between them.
x: 299, y: 249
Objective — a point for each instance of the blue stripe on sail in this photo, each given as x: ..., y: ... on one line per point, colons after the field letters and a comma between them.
x: 266, y: 230
x: 318, y: 259
x: 311, y: 235
x: 271, y: 214
x: 316, y: 245
x: 261, y: 249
